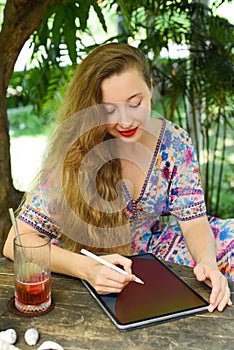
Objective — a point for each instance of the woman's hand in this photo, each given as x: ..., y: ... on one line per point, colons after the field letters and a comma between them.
x: 220, y: 294
x: 106, y: 280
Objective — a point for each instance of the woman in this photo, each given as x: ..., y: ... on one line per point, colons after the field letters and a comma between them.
x: 112, y: 171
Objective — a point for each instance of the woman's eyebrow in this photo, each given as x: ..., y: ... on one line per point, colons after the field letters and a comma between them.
x: 138, y: 94
x: 109, y: 103
x: 135, y: 95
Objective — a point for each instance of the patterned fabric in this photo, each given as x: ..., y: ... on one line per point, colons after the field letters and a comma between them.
x: 172, y: 187
x: 33, y: 216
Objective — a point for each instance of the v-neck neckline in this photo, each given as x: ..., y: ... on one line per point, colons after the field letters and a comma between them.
x: 154, y: 157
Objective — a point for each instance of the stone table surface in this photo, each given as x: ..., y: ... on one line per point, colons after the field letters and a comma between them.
x: 78, y: 323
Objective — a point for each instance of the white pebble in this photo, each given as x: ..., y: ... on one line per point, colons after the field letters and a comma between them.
x: 31, y: 336
x: 50, y: 345
x: 4, y: 345
x: 9, y: 335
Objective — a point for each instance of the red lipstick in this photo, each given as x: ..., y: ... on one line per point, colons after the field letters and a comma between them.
x: 128, y: 133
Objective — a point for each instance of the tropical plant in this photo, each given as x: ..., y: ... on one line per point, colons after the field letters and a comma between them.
x: 195, y: 90
x: 20, y: 20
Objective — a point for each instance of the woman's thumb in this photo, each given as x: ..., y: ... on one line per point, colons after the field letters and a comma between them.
x: 199, y: 272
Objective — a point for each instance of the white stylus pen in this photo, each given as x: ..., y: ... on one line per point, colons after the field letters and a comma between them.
x: 104, y: 262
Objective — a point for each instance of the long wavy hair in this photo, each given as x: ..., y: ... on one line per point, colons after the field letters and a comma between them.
x: 82, y: 165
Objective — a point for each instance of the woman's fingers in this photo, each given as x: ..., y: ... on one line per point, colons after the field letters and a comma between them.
x: 220, y: 295
x: 110, y: 281
x: 106, y: 280
x: 117, y: 259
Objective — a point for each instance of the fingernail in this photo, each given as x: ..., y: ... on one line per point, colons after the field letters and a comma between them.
x: 211, y: 308
x: 212, y: 300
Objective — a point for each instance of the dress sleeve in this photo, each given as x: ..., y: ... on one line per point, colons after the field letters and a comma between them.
x: 38, y: 213
x: 186, y: 195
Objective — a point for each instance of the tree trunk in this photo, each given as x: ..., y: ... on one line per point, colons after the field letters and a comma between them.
x: 21, y: 19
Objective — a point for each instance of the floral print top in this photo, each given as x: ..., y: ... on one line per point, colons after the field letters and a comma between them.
x: 172, y: 185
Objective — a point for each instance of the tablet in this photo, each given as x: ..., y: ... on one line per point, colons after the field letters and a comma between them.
x: 164, y: 296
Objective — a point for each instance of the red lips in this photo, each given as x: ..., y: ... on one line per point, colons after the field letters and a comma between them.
x: 128, y: 133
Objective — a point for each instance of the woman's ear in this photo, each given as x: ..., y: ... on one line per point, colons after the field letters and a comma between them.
x: 151, y: 86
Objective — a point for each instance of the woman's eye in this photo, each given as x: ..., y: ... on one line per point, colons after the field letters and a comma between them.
x: 135, y: 105
x: 109, y: 110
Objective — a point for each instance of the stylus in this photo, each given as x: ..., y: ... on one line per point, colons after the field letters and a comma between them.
x: 104, y: 262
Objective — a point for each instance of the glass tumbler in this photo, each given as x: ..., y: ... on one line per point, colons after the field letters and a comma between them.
x: 32, y: 273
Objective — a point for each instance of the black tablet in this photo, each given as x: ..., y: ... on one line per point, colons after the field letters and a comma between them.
x: 164, y: 296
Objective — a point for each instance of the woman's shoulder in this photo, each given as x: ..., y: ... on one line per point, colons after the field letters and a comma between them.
x: 167, y: 135
x: 165, y: 129
x: 174, y: 142
x: 174, y: 135
x: 175, y: 128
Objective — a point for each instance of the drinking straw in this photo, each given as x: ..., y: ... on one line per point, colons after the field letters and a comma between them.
x: 14, y: 224
x: 16, y: 230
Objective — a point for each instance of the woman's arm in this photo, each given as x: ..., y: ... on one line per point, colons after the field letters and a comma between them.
x: 102, y: 278
x: 201, y: 244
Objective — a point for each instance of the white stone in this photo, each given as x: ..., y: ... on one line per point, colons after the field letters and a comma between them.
x: 50, y: 345
x: 4, y: 345
x: 31, y: 336
x: 9, y: 335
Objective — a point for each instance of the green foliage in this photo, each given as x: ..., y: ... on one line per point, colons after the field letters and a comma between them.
x: 16, y: 95
x: 61, y: 26
x: 42, y: 87
x: 23, y: 121
x: 195, y: 90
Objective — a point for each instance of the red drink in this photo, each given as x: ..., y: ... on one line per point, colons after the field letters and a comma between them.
x: 33, y: 294
x: 32, y: 272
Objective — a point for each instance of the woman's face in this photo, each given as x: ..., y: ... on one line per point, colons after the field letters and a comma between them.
x: 127, y: 104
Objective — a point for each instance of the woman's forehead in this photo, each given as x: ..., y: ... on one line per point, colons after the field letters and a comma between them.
x: 122, y: 87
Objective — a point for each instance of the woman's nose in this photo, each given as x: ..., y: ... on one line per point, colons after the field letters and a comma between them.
x: 125, y: 117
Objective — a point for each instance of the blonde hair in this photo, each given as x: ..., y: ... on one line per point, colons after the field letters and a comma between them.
x: 103, y: 227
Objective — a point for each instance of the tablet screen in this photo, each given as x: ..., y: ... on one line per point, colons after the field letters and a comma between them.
x: 163, y: 296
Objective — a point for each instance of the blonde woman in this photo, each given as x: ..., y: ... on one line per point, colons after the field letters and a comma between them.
x: 111, y: 172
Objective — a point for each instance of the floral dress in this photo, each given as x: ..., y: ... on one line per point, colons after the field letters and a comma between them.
x: 171, y: 193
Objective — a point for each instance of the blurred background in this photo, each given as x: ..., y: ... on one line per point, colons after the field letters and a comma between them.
x: 189, y: 45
